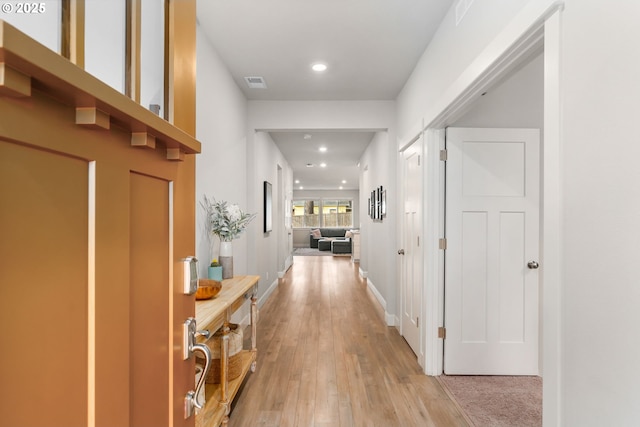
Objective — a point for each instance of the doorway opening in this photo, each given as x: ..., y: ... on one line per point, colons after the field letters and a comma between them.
x: 535, y: 30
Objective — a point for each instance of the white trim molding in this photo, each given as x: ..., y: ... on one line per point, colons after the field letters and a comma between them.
x: 552, y: 273
x: 267, y: 293
x: 390, y: 319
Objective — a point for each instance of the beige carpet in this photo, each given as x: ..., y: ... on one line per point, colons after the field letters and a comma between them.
x: 497, y: 401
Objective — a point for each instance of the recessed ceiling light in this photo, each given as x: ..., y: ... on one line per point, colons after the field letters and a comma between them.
x: 322, y: 149
x: 323, y: 165
x: 301, y: 187
x: 307, y: 136
x: 297, y: 181
x: 344, y: 181
x: 340, y: 187
x: 319, y: 67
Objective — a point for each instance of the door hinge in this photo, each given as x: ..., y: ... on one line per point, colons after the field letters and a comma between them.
x: 418, y: 160
x: 418, y: 240
x: 442, y: 244
x: 443, y: 155
x: 417, y: 322
x: 442, y: 332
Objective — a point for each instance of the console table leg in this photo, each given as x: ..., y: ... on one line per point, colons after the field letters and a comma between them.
x: 254, y: 330
x: 224, y: 368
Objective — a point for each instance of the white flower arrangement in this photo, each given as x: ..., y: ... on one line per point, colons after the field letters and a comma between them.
x: 224, y: 220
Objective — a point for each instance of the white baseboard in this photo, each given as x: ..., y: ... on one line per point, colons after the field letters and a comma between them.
x: 287, y: 265
x: 389, y: 319
x: 363, y: 273
x: 392, y: 320
x: 268, y: 293
x: 377, y: 294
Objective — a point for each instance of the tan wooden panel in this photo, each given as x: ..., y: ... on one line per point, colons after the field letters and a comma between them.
x: 112, y: 292
x: 104, y: 371
x: 149, y: 288
x: 43, y: 287
x: 180, y: 106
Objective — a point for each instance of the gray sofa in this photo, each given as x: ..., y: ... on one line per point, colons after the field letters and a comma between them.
x: 326, y: 232
x: 331, y: 239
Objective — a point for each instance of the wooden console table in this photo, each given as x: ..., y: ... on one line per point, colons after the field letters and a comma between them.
x: 212, y: 315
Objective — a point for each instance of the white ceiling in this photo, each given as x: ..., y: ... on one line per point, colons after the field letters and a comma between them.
x: 369, y: 46
x: 344, y: 149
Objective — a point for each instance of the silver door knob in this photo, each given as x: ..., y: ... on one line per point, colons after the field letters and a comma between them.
x: 401, y: 252
x: 533, y: 265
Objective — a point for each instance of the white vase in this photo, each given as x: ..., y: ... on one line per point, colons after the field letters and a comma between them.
x: 226, y: 259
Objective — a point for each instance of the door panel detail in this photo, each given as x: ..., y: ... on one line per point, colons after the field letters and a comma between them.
x: 492, y: 211
x: 44, y: 202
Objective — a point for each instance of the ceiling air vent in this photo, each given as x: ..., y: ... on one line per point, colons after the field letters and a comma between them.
x: 255, y: 82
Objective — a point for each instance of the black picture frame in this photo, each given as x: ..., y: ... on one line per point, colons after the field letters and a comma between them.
x: 384, y: 203
x: 373, y: 205
x: 377, y: 204
x: 268, y: 207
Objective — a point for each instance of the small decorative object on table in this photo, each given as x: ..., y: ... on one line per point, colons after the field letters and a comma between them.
x: 227, y: 222
x: 226, y: 258
x: 208, y: 288
x: 215, y: 270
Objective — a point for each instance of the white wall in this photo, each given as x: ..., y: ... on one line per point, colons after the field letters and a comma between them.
x: 601, y: 206
x: 265, y: 158
x: 378, y: 239
x: 599, y: 347
x: 105, y: 32
x: 517, y: 102
x: 318, y: 115
x: 44, y: 27
x: 152, y: 53
x: 449, y: 53
x: 221, y: 168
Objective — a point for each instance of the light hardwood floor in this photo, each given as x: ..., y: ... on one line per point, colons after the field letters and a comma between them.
x: 326, y: 358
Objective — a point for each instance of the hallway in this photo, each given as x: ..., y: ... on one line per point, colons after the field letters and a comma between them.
x: 326, y: 358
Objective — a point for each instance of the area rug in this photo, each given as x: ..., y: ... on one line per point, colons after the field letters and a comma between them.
x: 497, y: 401
x: 310, y: 252
x: 314, y: 252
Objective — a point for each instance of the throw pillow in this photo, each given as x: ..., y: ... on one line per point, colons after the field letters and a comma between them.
x: 316, y: 233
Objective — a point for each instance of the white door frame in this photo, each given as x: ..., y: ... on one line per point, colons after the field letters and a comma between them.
x: 537, y: 25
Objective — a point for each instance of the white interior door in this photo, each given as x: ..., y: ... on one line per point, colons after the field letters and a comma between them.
x: 412, y: 247
x: 492, y: 222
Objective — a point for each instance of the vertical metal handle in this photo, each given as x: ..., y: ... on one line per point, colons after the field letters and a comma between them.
x: 205, y: 371
x: 190, y: 346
